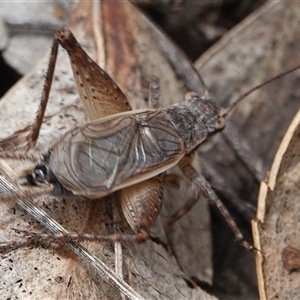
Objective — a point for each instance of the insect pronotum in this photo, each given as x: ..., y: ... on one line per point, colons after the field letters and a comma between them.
x: 122, y: 149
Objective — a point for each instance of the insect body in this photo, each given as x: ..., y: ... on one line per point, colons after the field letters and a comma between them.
x: 109, y: 154
x: 121, y: 149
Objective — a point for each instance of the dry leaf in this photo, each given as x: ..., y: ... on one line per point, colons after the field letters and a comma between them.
x: 260, y: 47
x: 276, y: 232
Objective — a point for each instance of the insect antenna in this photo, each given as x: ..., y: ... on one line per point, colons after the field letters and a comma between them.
x: 225, y: 111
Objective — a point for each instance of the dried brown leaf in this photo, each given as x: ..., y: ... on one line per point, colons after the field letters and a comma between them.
x: 262, y: 46
x: 277, y: 231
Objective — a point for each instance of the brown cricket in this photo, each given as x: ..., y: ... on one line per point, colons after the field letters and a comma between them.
x: 122, y: 149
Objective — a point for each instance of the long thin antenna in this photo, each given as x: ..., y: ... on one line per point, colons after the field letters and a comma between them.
x: 226, y: 111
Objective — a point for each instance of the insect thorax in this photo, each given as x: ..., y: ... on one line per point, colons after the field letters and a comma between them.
x: 194, y: 119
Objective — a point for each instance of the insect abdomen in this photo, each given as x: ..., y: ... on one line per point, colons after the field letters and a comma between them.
x: 103, y: 156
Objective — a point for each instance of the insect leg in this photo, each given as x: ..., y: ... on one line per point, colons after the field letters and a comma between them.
x: 18, y: 137
x: 35, y: 130
x: 35, y: 239
x: 200, y: 182
x: 141, y: 204
x: 21, y: 155
x: 191, y: 202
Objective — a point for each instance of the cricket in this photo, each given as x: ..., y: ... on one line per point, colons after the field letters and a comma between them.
x: 121, y: 149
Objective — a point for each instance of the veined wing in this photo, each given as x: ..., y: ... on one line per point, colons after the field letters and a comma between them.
x: 107, y: 155
x: 100, y: 95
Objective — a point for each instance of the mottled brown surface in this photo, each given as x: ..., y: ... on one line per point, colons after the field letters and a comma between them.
x: 278, y: 267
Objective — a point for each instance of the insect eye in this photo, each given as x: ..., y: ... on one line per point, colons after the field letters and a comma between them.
x: 220, y: 123
x: 40, y: 173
